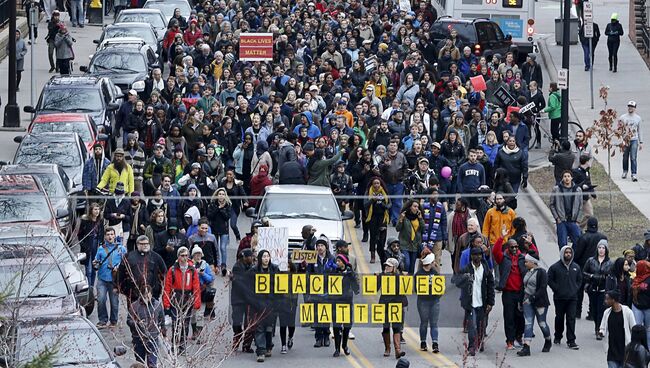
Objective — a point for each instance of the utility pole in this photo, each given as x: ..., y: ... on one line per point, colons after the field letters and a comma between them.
x: 566, y: 19
x: 12, y: 111
x: 33, y: 23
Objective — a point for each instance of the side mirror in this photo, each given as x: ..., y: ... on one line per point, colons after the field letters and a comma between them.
x: 61, y: 213
x: 113, y: 106
x: 80, y: 288
x: 347, y: 215
x: 2, y: 163
x: 18, y: 138
x: 119, y: 350
x: 508, y: 37
x: 250, y: 212
x: 81, y: 257
x: 102, y: 137
x: 83, y: 68
x: 96, y: 42
x: 29, y: 109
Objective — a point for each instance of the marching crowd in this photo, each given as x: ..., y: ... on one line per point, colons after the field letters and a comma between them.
x: 358, y: 98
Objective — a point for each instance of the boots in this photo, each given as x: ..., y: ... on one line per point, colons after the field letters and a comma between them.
x: 610, y: 63
x: 525, y: 351
x: 386, y: 337
x: 547, y: 345
x: 372, y: 257
x: 196, y: 330
x: 398, y: 347
x: 365, y: 237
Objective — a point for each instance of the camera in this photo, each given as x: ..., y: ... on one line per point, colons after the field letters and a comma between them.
x: 96, y: 265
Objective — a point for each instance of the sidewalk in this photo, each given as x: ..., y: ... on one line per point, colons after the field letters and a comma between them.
x: 630, y: 83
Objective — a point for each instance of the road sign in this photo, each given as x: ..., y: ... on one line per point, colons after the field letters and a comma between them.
x: 588, y: 11
x: 589, y: 29
x: 563, y: 78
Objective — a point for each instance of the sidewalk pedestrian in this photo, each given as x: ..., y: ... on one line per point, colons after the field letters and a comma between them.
x: 77, y: 13
x: 566, y: 207
x: 584, y: 41
x: 535, y: 304
x: 616, y: 328
x: 21, y: 51
x: 64, y: 53
x: 632, y: 122
x: 595, y: 273
x: 52, y: 31
x: 554, y: 110
x: 565, y: 278
x: 613, y: 31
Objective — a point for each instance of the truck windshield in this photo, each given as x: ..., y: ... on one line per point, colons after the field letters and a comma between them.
x: 322, y: 207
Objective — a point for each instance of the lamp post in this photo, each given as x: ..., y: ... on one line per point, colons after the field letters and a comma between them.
x: 566, y: 19
x: 12, y: 111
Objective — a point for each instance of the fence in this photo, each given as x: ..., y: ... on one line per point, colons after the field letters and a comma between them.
x: 645, y: 38
x: 4, y: 11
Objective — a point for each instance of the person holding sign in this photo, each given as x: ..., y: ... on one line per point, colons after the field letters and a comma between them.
x: 391, y: 268
x: 324, y: 264
x: 263, y: 304
x: 342, y: 304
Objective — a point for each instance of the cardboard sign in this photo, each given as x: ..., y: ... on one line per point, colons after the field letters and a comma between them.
x: 276, y: 241
x: 308, y: 256
x: 256, y: 46
x: 478, y: 83
x: 504, y: 97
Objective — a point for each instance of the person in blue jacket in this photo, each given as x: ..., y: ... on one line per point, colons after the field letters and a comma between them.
x: 307, y: 120
x: 520, y: 131
x: 471, y: 175
x: 108, y: 258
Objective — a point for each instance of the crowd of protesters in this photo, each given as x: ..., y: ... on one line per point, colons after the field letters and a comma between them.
x: 358, y: 98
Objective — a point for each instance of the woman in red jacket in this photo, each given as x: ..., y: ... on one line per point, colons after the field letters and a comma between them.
x: 192, y: 34
x: 181, y: 296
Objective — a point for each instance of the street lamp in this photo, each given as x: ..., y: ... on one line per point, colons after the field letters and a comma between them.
x: 12, y: 111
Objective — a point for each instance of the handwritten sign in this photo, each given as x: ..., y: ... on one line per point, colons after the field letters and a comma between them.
x: 276, y: 241
x: 309, y: 256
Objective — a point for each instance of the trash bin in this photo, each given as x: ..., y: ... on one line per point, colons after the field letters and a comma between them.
x: 574, y: 25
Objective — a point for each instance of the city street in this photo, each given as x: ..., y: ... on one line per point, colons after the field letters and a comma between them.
x: 367, y: 348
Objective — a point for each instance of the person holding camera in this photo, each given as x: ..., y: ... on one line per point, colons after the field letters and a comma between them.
x: 106, y: 263
x: 409, y: 226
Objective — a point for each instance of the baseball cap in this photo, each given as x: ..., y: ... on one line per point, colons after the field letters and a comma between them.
x: 429, y: 259
x: 423, y: 159
x: 436, y: 144
x: 631, y: 104
x: 196, y: 165
x: 313, y: 87
x: 133, y: 92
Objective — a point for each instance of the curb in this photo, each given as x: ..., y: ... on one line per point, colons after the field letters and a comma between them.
x: 540, y: 206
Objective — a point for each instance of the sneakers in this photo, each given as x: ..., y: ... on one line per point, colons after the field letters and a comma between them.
x: 634, y: 179
x: 423, y: 346
x: 260, y: 358
x: 268, y: 354
x: 283, y: 350
x: 101, y: 325
x: 346, y: 350
x: 290, y: 343
x: 337, y: 353
x: 572, y: 345
x: 624, y: 175
x: 557, y: 341
x: 434, y: 347
x: 510, y: 346
x: 525, y: 351
x: 351, y: 336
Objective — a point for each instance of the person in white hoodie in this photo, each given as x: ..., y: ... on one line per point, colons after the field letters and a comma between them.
x: 616, y: 328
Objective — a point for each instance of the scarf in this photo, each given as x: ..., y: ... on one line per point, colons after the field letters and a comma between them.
x: 459, y: 223
x: 435, y: 225
x: 509, y: 151
x: 415, y: 223
x: 135, y: 225
x: 372, y: 193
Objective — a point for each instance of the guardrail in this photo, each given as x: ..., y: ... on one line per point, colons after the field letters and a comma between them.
x: 645, y: 38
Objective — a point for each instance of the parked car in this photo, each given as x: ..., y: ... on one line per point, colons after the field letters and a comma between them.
x: 67, y: 257
x: 155, y: 17
x: 35, y: 284
x: 64, y: 149
x: 82, y: 124
x: 58, y: 187
x: 82, y: 343
x: 479, y: 34
x: 280, y: 206
x: 144, y: 31
x: 127, y: 61
x: 168, y: 6
x: 25, y: 206
x: 95, y: 96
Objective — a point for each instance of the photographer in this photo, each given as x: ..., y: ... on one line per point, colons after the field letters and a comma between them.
x: 562, y: 159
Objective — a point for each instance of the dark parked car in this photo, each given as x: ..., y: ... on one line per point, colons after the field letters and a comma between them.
x: 479, y: 34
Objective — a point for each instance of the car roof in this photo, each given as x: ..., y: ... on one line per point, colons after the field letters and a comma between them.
x: 15, y: 183
x: 29, y: 169
x: 51, y: 137
x: 298, y: 189
x: 61, y: 117
x: 77, y: 80
x: 449, y: 18
x: 35, y: 232
x: 13, y: 254
x: 141, y: 10
x: 130, y: 25
x: 56, y: 323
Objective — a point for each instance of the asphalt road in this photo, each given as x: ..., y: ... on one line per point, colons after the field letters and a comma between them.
x: 367, y: 348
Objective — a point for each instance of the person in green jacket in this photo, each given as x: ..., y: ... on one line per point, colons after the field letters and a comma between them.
x: 319, y: 169
x: 409, y: 226
x: 206, y: 102
x: 554, y: 110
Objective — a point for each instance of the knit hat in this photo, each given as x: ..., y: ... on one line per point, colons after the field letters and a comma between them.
x: 309, y: 146
x: 97, y: 144
x: 247, y: 252
x: 340, y: 243
x: 118, y: 151
x: 531, y: 258
x: 196, y: 250
x: 119, y: 188
x: 592, y: 223
x: 181, y: 250
x: 182, y: 108
x: 131, y: 136
x: 196, y: 165
x: 323, y: 240
x: 343, y: 259
x: 603, y: 242
x: 391, y: 240
x: 403, y: 363
x: 392, y: 262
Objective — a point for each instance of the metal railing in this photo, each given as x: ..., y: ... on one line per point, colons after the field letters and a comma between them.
x: 645, y: 38
x: 4, y: 11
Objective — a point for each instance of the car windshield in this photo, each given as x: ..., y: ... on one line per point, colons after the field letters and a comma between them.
x: 54, y: 244
x: 32, y: 279
x: 321, y: 207
x: 465, y: 31
x: 123, y: 62
x: 24, y: 208
x: 79, y: 127
x: 72, y: 99
x: 152, y: 18
x: 139, y: 32
x: 53, y: 186
x: 167, y: 7
x: 63, y: 154
x: 78, y: 346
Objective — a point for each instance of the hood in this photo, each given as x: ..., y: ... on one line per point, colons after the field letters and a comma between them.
x: 606, y: 244
x: 262, y: 146
x: 194, y: 213
x: 592, y: 224
x: 562, y: 254
x: 309, y: 117
x: 193, y: 186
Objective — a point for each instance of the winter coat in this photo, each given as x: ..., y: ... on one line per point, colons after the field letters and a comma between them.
x: 163, y: 239
x: 319, y: 172
x: 405, y: 229
x: 554, y: 107
x: 63, y: 43
x: 505, y: 260
x: 111, y: 177
x: 258, y: 161
x: 565, y: 279
x: 208, y: 244
x: 21, y: 51
x: 557, y: 203
x: 182, y: 286
x: 137, y: 161
x: 539, y: 299
x: 240, y: 283
x: 465, y: 281
x: 148, y: 319
x: 562, y: 160
x: 515, y: 162
x: 264, y: 305
x: 139, y: 269
x: 522, y: 135
x: 586, y: 245
x: 91, y: 234
x: 636, y: 356
x: 111, y: 208
x: 89, y: 176
x: 219, y: 217
x: 595, y: 273
x: 628, y: 323
x: 495, y: 220
x: 614, y: 31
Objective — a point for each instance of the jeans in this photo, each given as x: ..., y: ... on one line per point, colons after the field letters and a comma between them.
x: 429, y: 310
x: 475, y: 327
x: 77, y: 15
x: 104, y: 291
x: 263, y: 338
x: 90, y: 272
x: 642, y: 317
x: 530, y: 313
x: 146, y: 352
x: 567, y: 229
x: 233, y: 221
x: 515, y: 185
x: 630, y: 154
x: 396, y: 203
x: 223, y: 240
x: 565, y: 308
x: 513, y: 318
x: 597, y: 306
x: 409, y: 261
x: 613, y: 364
x: 585, y: 51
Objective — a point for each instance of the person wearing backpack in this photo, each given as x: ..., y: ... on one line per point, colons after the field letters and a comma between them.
x: 106, y: 263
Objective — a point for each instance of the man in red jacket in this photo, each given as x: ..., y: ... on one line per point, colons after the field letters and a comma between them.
x: 182, y: 294
x: 511, y: 281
